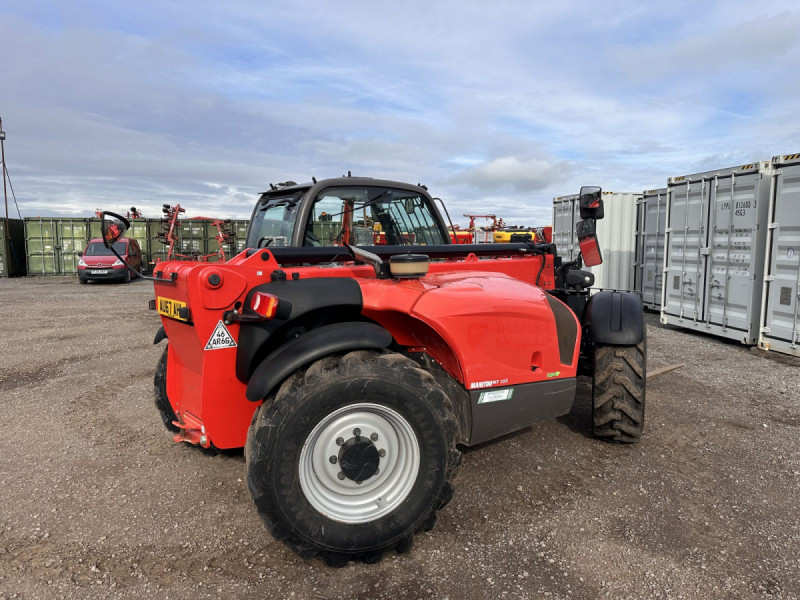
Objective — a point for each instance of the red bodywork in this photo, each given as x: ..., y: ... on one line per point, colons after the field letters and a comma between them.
x: 486, y: 322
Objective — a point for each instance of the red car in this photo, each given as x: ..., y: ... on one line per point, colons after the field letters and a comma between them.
x: 98, y: 262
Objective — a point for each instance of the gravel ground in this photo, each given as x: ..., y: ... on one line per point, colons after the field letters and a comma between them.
x: 96, y: 501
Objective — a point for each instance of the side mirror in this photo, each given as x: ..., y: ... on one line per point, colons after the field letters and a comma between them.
x: 113, y: 227
x: 80, y: 254
x: 586, y: 231
x: 590, y: 200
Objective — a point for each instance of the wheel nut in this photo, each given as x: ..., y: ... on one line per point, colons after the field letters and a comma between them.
x: 381, y: 452
x: 374, y: 437
x: 358, y: 482
x: 356, y: 432
x: 340, y: 475
x: 333, y: 460
x: 339, y: 441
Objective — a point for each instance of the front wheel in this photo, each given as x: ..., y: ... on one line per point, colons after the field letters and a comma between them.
x: 618, y: 392
x: 352, y: 456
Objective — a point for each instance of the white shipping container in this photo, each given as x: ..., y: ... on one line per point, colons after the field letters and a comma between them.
x: 714, y: 251
x: 616, y: 234
x: 564, y: 219
x: 780, y: 314
x: 649, y: 261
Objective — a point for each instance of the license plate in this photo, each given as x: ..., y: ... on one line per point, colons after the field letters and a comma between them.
x: 99, y: 272
x: 171, y: 308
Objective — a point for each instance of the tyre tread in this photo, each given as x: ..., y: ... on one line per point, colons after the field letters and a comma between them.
x: 618, y: 392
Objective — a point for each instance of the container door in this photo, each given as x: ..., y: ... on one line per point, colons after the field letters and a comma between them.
x: 638, y: 260
x: 687, y: 251
x: 652, y: 251
x: 41, y: 243
x: 563, y: 229
x: 733, y: 229
x: 783, y: 318
x: 192, y: 241
x: 73, y: 235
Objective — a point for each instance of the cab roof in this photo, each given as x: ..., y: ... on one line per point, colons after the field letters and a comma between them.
x: 282, y: 190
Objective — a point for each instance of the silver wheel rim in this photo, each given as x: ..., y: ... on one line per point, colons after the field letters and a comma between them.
x: 345, y: 500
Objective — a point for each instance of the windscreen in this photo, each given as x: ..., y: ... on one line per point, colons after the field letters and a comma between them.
x: 273, y: 223
x: 366, y: 216
x: 99, y: 249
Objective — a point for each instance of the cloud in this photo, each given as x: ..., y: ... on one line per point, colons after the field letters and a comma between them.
x: 496, y: 108
x: 510, y: 173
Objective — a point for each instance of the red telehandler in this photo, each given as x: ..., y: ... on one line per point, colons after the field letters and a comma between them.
x: 351, y: 374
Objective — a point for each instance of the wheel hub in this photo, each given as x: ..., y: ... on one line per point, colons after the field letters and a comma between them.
x: 359, y: 462
x: 359, y: 459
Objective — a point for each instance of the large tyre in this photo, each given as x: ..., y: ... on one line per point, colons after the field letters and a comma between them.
x: 160, y: 393
x: 618, y: 392
x: 352, y: 456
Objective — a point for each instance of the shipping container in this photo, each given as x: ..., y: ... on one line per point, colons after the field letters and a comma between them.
x: 651, y: 215
x: 52, y: 245
x: 12, y: 248
x: 191, y: 238
x: 239, y: 227
x: 616, y: 233
x: 564, y: 220
x: 780, y: 315
x: 714, y: 250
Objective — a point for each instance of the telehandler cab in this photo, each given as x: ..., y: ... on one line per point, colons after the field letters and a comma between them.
x: 351, y: 373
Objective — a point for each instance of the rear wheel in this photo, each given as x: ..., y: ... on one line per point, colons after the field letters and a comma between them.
x: 160, y: 393
x: 618, y: 392
x: 352, y: 456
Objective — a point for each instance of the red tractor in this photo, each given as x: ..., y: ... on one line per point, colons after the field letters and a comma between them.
x: 351, y: 375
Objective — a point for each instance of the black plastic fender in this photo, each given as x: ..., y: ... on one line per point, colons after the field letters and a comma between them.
x: 161, y: 334
x: 340, y: 295
x: 614, y: 318
x: 311, y: 346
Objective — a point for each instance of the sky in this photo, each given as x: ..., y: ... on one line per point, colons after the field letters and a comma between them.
x: 497, y: 107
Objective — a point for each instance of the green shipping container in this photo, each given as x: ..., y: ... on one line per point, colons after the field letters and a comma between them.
x: 52, y: 244
x: 240, y: 228
x: 12, y: 248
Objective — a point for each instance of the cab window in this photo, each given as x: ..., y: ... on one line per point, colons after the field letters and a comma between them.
x: 365, y: 216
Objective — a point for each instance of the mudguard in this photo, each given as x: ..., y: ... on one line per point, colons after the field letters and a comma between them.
x: 311, y: 346
x: 161, y: 334
x: 614, y: 318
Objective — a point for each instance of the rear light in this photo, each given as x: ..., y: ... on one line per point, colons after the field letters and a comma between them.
x: 264, y: 304
x: 590, y: 251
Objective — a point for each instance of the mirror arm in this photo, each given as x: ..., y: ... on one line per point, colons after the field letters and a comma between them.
x: 173, y: 276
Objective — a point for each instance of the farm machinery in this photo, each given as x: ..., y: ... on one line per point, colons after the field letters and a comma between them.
x: 170, y: 236
x: 352, y: 373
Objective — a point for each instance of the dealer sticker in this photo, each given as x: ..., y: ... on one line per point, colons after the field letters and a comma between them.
x: 495, y: 396
x: 221, y: 338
